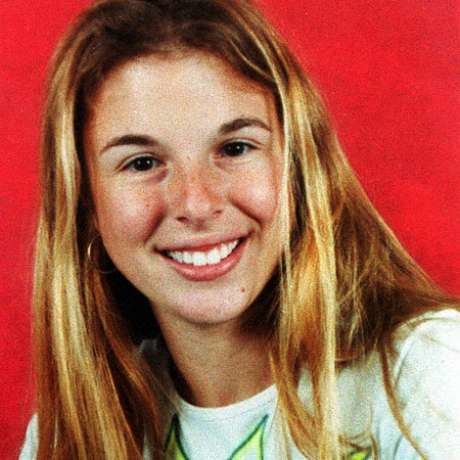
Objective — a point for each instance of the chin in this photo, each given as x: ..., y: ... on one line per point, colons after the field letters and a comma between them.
x: 202, y: 309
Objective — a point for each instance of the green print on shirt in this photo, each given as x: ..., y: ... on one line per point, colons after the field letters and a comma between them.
x: 360, y: 455
x: 251, y: 447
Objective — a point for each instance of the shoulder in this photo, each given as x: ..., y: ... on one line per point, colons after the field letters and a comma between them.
x: 426, y: 379
x: 429, y: 361
x: 428, y: 354
x: 417, y: 340
x: 29, y: 447
x: 429, y: 341
x: 428, y: 328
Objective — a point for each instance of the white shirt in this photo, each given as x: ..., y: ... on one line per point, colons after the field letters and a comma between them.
x: 427, y: 376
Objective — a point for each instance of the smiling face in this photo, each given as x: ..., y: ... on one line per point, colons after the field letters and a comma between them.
x: 185, y: 167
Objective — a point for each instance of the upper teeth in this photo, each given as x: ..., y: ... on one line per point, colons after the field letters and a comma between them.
x: 214, y: 256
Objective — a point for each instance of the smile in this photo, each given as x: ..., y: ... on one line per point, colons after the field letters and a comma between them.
x: 200, y: 258
x: 219, y: 260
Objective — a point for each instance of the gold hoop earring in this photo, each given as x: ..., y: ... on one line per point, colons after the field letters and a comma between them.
x: 91, y: 262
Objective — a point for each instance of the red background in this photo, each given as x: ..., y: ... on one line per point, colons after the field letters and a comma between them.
x: 389, y: 74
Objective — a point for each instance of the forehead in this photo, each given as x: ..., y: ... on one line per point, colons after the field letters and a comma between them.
x: 179, y: 67
x: 164, y: 89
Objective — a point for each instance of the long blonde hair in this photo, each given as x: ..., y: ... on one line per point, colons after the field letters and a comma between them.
x: 343, y: 286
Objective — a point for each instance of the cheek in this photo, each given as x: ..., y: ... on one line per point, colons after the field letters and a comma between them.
x: 256, y: 192
x: 127, y: 216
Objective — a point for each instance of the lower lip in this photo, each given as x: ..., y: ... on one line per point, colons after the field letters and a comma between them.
x: 209, y: 272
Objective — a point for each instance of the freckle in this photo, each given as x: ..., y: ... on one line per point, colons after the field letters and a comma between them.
x: 243, y: 289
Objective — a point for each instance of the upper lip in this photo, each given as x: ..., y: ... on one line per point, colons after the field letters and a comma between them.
x: 201, y: 244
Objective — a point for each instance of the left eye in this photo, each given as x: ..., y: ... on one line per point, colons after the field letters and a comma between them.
x: 235, y: 149
x: 140, y: 164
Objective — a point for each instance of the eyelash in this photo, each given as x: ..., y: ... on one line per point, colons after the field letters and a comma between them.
x: 246, y: 145
x: 130, y: 166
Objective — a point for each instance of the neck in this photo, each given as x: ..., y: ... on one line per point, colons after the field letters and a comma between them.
x: 218, y: 365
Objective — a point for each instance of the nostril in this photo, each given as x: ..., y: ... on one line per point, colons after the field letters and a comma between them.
x: 193, y: 209
x: 190, y: 216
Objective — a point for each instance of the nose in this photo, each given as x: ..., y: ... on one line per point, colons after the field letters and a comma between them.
x: 199, y: 196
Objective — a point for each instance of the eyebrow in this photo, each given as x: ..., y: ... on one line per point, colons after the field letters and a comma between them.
x: 130, y: 139
x: 240, y: 123
x: 148, y: 141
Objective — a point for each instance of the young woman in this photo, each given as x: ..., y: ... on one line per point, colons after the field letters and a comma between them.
x: 211, y: 280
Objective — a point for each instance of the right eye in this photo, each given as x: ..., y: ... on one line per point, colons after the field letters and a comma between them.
x: 140, y: 164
